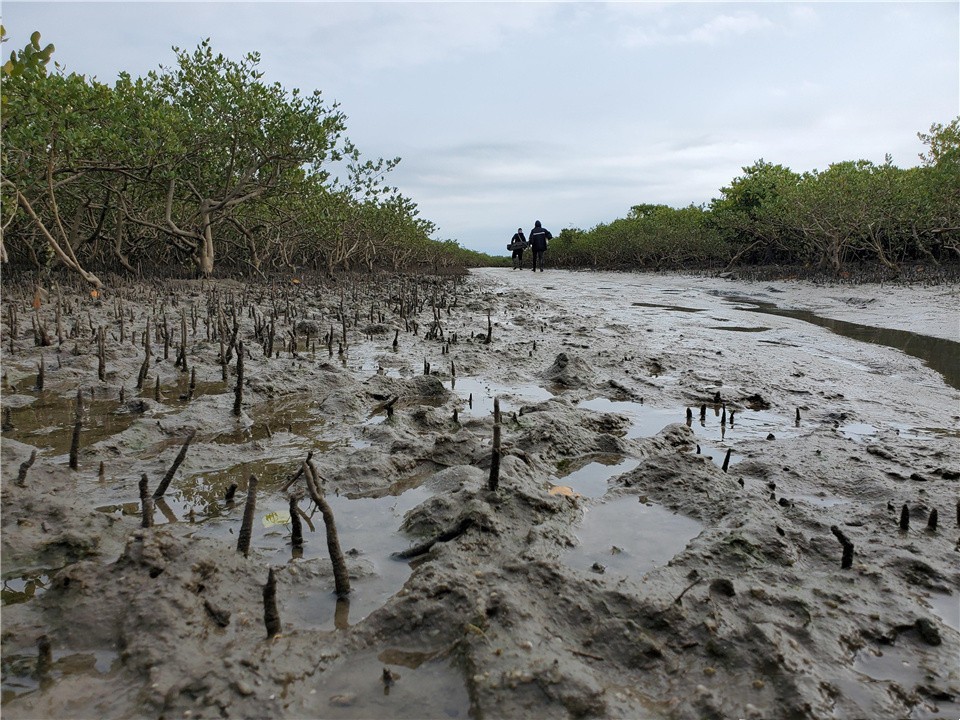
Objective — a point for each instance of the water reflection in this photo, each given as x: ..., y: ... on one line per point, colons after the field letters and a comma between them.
x: 478, y: 393
x: 740, y: 328
x: 48, y: 421
x: 201, y: 496
x: 20, y: 669
x: 23, y: 587
x: 676, y: 308
x: 629, y: 537
x: 937, y: 353
x: 591, y: 478
x: 647, y: 421
x: 425, y: 684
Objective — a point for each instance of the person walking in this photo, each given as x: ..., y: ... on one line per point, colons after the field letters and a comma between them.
x: 538, y: 243
x: 518, y: 243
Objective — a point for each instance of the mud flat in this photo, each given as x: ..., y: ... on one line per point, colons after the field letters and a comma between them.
x: 714, y: 498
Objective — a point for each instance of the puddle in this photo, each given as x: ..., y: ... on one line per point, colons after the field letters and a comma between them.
x: 936, y: 353
x: 297, y: 432
x: 373, y: 357
x: 19, y: 669
x: 863, y: 698
x: 419, y: 689
x: 413, y: 481
x: 677, y: 308
x: 291, y: 415
x: 902, y: 665
x: 858, y: 431
x: 378, y: 418
x: 368, y: 525
x: 200, y: 496
x: 591, y: 479
x: 214, y: 462
x: 368, y: 529
x: 946, y: 607
x: 740, y: 328
x: 23, y: 587
x: 892, y: 662
x: 824, y: 501
x: 380, y: 415
x: 512, y: 397
x: 47, y: 423
x: 629, y: 538
x: 647, y: 421
x: 179, y: 392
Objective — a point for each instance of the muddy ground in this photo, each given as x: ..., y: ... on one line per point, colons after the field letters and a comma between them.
x: 675, y: 458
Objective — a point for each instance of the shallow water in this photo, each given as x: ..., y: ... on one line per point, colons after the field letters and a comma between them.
x: 368, y: 529
x: 24, y: 586
x: 822, y: 500
x: 592, y: 479
x: 890, y: 662
x: 292, y: 415
x: 199, y: 496
x: 898, y: 664
x: 675, y: 308
x: 367, y: 526
x: 740, y: 328
x: 421, y: 687
x: 48, y: 421
x: 629, y: 538
x: 713, y: 436
x: 861, y: 692
x: 938, y: 354
x: 946, y: 607
x: 19, y: 669
x: 478, y: 393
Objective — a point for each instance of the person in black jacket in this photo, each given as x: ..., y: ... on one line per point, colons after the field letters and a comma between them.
x: 538, y: 242
x: 518, y: 243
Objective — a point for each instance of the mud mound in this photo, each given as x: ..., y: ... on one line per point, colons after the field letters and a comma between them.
x: 569, y: 371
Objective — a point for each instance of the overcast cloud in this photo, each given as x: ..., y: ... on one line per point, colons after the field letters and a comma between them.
x: 570, y: 113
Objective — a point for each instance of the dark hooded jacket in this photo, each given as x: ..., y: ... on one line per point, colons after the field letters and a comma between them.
x: 538, y: 238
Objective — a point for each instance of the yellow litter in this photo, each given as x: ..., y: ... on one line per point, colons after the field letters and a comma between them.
x: 564, y: 490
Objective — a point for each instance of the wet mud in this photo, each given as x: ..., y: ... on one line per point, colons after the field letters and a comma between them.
x: 708, y: 503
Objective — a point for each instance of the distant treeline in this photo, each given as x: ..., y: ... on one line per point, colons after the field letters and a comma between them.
x: 852, y: 213
x: 204, y: 165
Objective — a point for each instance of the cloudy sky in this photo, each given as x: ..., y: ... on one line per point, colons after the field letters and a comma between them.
x: 570, y: 113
